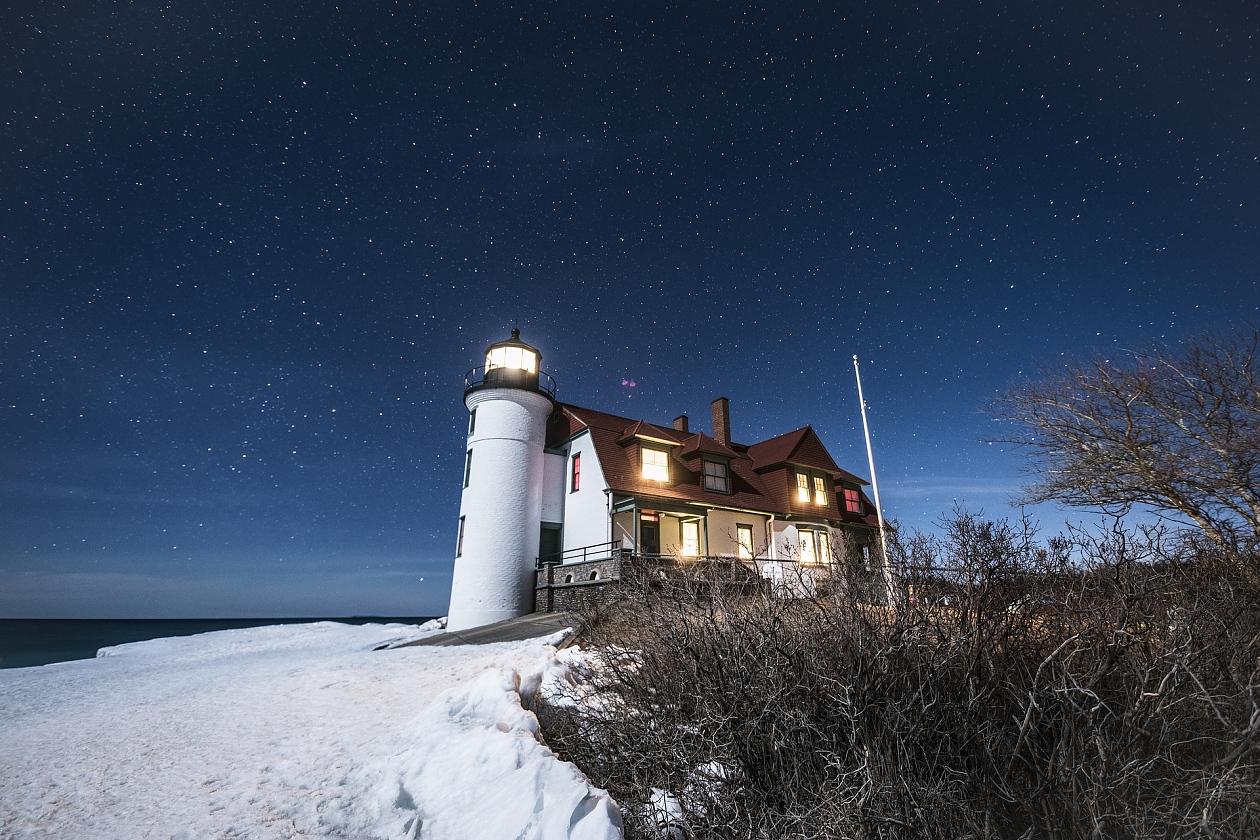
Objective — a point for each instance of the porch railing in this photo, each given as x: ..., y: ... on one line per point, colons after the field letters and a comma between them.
x: 598, y: 551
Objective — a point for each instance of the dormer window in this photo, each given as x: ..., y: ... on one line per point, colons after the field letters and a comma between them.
x: 802, y: 487
x: 852, y: 500
x: 820, y: 490
x: 655, y: 464
x: 716, y: 477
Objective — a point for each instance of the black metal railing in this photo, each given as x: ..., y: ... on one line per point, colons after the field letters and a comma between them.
x: 478, y: 377
x: 598, y: 551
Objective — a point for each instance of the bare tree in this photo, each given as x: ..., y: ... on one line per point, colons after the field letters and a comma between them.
x: 1175, y: 429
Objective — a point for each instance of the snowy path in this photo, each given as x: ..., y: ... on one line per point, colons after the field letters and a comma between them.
x: 273, y: 732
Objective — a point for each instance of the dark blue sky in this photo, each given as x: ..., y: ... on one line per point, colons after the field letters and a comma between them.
x: 248, y: 250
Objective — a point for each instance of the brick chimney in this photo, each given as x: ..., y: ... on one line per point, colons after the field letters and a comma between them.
x: 722, y: 421
x: 680, y: 423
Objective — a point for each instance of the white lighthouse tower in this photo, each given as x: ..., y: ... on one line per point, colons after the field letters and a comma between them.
x: 500, y: 513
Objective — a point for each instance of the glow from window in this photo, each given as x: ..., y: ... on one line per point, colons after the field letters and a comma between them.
x: 511, y: 356
x: 820, y: 491
x: 744, y: 539
x: 824, y: 547
x: 655, y: 464
x: 802, y: 487
x: 809, y: 547
x: 691, y: 539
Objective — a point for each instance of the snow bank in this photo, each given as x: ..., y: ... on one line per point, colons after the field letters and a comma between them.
x: 477, y: 751
x: 290, y: 731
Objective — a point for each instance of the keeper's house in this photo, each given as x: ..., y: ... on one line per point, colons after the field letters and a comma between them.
x: 558, y: 497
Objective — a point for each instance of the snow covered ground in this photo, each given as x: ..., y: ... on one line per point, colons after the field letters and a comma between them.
x: 297, y: 731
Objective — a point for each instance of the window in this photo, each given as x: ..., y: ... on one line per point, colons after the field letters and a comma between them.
x: 459, y: 543
x: 691, y: 539
x: 467, y: 467
x: 820, y: 490
x: 743, y: 537
x: 512, y: 357
x: 809, y: 547
x: 655, y: 464
x: 852, y: 500
x: 575, y: 480
x: 802, y: 487
x: 815, y: 546
x: 715, y: 477
x: 472, y: 421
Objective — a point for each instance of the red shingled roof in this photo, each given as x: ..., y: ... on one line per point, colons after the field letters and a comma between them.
x: 800, y: 448
x: 760, y: 475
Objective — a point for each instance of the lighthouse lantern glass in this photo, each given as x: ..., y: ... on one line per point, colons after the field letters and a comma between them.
x: 517, y: 358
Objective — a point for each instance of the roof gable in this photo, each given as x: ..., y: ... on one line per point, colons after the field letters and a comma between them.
x: 700, y: 443
x: 801, y: 448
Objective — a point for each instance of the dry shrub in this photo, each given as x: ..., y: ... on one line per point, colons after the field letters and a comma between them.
x: 1017, y: 694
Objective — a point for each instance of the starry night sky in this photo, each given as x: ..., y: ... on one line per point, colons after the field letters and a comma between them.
x: 247, y: 252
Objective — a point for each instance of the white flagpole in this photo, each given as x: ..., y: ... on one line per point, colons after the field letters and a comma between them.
x: 889, y: 583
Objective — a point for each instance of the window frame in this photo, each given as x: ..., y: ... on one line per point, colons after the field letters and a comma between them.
x: 744, y: 548
x: 802, y: 486
x: 852, y: 500
x: 819, y: 540
x: 683, y: 538
x: 575, y: 472
x: 725, y: 476
x: 459, y: 541
x: 472, y: 421
x: 808, y: 558
x: 468, y: 467
x: 644, y: 466
x: 820, y: 489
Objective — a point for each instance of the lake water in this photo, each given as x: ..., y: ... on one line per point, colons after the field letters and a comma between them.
x: 25, y: 642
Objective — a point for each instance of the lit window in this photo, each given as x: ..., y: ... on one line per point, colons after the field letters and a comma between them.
x: 459, y: 544
x: 809, y: 547
x: 472, y: 422
x: 512, y: 357
x: 655, y: 464
x: 824, y: 547
x: 576, y: 481
x: 820, y: 490
x: 691, y: 539
x: 852, y: 501
x: 743, y: 536
x: 715, y: 477
x: 802, y: 487
x: 467, y: 467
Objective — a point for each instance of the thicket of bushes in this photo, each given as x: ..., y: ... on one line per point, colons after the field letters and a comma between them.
x: 1018, y: 695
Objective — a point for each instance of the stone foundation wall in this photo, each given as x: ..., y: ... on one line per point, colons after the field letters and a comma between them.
x: 574, y: 586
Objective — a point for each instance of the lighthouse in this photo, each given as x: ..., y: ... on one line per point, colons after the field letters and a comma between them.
x: 500, y: 512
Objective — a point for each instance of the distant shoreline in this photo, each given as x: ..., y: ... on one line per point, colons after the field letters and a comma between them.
x: 30, y: 642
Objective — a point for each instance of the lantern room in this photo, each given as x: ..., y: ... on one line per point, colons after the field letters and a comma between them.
x: 512, y: 364
x: 512, y: 354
